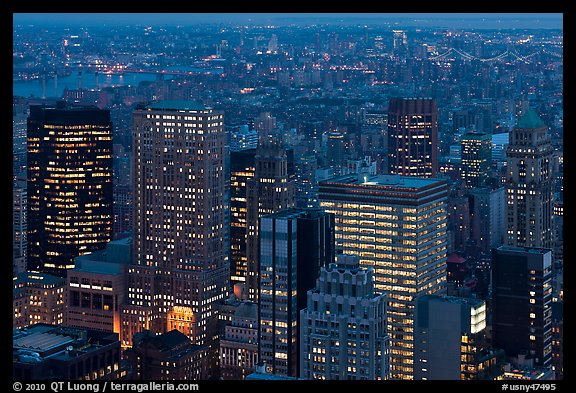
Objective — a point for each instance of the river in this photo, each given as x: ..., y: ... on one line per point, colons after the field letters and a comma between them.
x: 72, y: 81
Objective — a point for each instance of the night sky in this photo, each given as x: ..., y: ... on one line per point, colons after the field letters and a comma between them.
x: 451, y: 20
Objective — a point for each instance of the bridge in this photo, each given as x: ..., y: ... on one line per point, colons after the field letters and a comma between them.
x: 452, y: 53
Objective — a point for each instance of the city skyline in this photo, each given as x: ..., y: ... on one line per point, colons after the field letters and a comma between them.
x: 281, y: 196
x: 546, y: 20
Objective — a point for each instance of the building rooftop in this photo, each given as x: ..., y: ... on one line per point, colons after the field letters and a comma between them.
x: 531, y: 250
x: 384, y: 180
x: 183, y: 105
x: 530, y: 120
x: 454, y: 300
x: 41, y: 338
x: 37, y: 278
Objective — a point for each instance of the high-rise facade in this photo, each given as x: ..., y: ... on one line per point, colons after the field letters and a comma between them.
x: 529, y: 184
x: 69, y: 184
x: 294, y: 245
x: 37, y: 298
x: 413, y: 137
x: 522, y: 302
x: 242, y: 169
x: 343, y: 331
x: 306, y: 185
x: 450, y: 340
x: 476, y: 158
x: 181, y: 267
x: 488, y: 211
x: 397, y: 225
x: 19, y: 227
x: 271, y: 189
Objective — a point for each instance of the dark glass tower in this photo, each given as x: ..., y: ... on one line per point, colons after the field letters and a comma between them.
x: 413, y: 137
x: 69, y: 184
x: 522, y: 302
x: 294, y: 245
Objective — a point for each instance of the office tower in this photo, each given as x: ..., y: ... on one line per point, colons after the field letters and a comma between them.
x: 500, y: 144
x: 400, y: 43
x: 181, y: 267
x: 37, y: 298
x: 558, y: 338
x: 239, y: 344
x: 476, y: 158
x: 242, y: 169
x: 242, y: 138
x: 558, y: 233
x: 529, y: 184
x: 458, y: 221
x: 265, y: 124
x: 413, y: 137
x: 169, y: 356
x: 488, y: 215
x: 450, y: 340
x: 343, y: 328
x: 335, y: 150
x: 69, y: 184
x: 96, y: 287
x: 294, y: 245
x: 19, y: 227
x: 522, y: 298
x: 397, y: 225
x: 270, y: 190
x: 45, y: 352
x: 19, y: 144
x: 122, y: 199
x: 306, y: 185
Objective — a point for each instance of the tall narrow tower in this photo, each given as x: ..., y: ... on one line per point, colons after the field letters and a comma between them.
x: 269, y: 191
x: 529, y: 184
x: 181, y: 267
x: 413, y: 137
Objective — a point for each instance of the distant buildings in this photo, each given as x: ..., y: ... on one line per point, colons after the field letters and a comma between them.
x: 522, y: 303
x: 170, y: 356
x: 69, y: 184
x: 48, y: 352
x: 529, y: 184
x: 180, y: 248
x: 343, y: 332
x: 243, y: 138
x: 450, y: 340
x: 294, y: 245
x: 397, y: 225
x: 37, y: 298
x: 413, y: 137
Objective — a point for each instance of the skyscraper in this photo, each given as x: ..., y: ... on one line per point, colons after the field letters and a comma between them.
x: 343, y: 328
x: 488, y: 208
x: 294, y: 245
x: 450, y: 340
x: 270, y: 190
x: 529, y: 184
x: 69, y: 184
x: 181, y: 267
x: 242, y: 169
x: 19, y: 224
x: 476, y: 158
x: 397, y: 225
x: 413, y: 136
x: 522, y: 302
